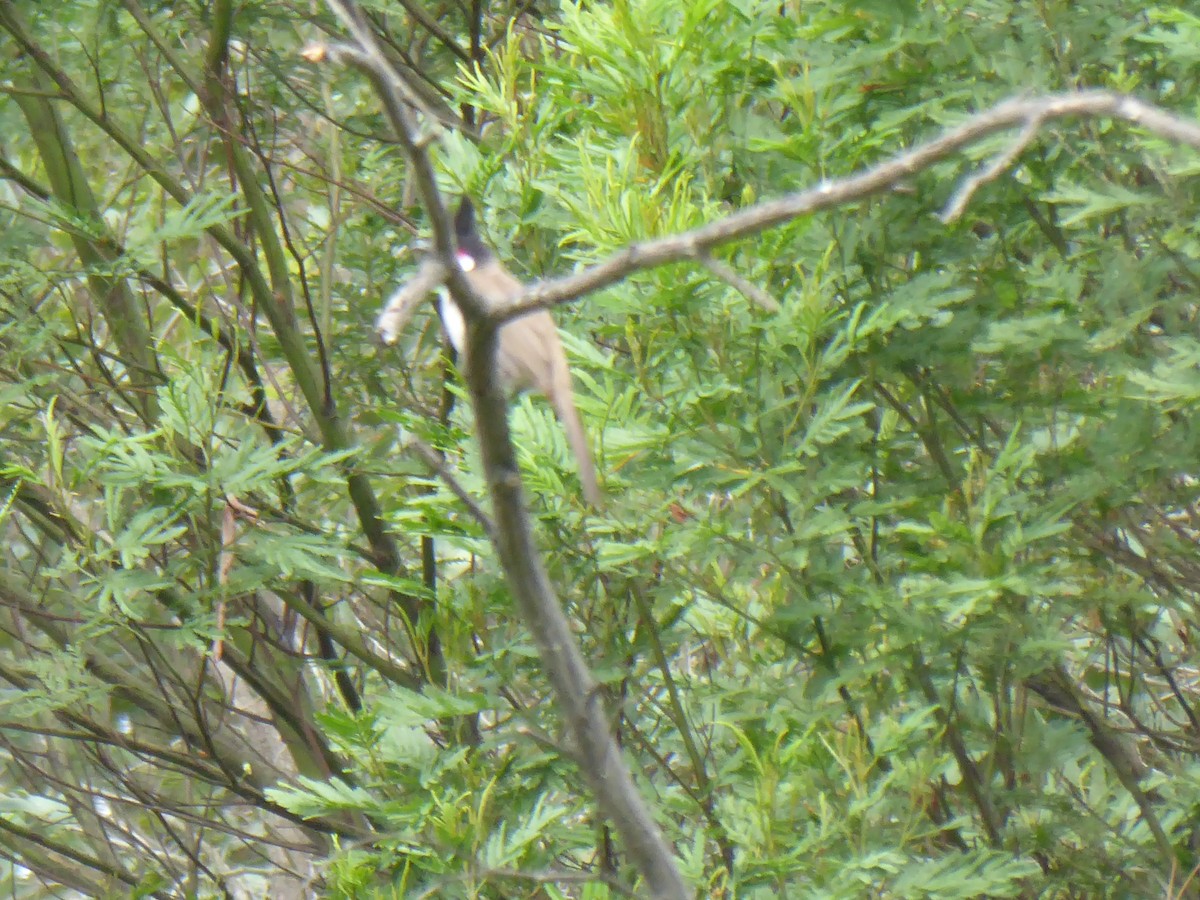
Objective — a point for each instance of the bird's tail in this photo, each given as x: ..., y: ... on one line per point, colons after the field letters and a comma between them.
x: 577, y: 438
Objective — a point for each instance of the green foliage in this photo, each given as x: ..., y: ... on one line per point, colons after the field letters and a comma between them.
x: 892, y: 593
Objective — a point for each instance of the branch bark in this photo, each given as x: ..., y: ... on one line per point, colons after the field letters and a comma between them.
x: 575, y: 689
x: 574, y: 686
x: 1028, y: 113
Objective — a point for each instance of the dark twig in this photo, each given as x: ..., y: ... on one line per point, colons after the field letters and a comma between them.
x: 431, y: 458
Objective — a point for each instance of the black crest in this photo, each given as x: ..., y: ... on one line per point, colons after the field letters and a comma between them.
x: 466, y: 234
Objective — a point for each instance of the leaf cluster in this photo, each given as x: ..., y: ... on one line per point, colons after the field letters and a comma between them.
x: 893, y: 592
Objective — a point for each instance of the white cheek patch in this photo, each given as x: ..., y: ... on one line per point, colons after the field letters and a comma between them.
x: 465, y: 261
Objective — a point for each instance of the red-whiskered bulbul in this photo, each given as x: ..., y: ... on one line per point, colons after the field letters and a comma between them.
x: 529, y: 355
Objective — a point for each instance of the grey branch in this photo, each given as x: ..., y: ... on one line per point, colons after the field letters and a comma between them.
x: 1030, y: 112
x: 399, y: 308
x: 575, y: 688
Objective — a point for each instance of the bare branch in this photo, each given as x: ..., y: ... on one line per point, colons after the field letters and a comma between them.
x: 575, y: 688
x: 430, y: 24
x: 831, y: 194
x: 399, y: 308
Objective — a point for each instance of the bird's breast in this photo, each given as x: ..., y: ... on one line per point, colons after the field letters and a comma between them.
x: 452, y: 319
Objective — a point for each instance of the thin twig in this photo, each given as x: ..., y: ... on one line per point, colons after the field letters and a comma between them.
x: 957, y: 204
x: 743, y: 286
x: 431, y: 458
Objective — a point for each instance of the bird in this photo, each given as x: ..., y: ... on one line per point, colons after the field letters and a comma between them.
x: 529, y: 354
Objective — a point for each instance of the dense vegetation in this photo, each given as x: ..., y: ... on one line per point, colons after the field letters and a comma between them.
x: 893, y: 592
